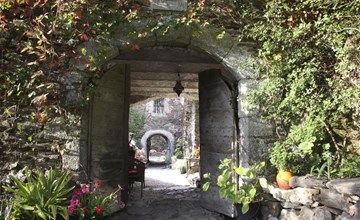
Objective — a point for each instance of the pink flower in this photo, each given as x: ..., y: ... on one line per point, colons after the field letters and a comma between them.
x: 99, y: 209
x: 98, y: 183
x: 85, y: 188
x: 121, y: 204
x: 120, y: 187
x: 71, y: 210
x: 77, y: 194
x: 74, y: 202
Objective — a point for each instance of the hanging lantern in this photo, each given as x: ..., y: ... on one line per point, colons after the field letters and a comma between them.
x: 178, y: 88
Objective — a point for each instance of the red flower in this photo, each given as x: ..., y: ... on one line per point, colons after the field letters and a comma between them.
x: 99, y: 209
x: 98, y: 183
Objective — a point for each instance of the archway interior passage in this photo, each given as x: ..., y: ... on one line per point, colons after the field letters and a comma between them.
x: 157, y: 149
x: 154, y: 72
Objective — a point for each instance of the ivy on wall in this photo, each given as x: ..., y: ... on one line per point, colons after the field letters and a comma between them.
x: 308, y: 60
x: 39, y: 39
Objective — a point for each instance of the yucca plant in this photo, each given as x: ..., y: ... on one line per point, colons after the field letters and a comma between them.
x: 41, y: 195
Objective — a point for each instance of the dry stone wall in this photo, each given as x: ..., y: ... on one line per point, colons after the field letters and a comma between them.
x: 314, y: 199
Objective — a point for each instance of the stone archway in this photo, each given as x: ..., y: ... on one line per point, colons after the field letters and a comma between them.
x: 227, y: 55
x: 169, y: 136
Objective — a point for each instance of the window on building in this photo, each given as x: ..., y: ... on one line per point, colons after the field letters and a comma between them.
x: 159, y: 106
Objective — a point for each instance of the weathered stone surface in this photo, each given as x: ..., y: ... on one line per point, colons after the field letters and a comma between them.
x: 303, y: 196
x: 207, y: 40
x: 332, y: 199
x: 346, y: 186
x: 289, y: 214
x: 277, y: 193
x: 71, y: 162
x: 268, y: 208
x: 354, y: 210
x: 306, y: 181
x: 306, y: 213
x: 289, y: 205
x: 345, y: 216
x: 255, y: 128
x: 298, y: 195
x: 178, y: 37
x: 168, y: 5
x: 321, y: 213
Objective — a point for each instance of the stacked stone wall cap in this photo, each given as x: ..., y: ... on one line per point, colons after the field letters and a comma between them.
x: 345, y: 186
x: 307, y: 182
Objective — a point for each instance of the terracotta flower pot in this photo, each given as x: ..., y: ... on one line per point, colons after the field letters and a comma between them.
x: 282, y: 179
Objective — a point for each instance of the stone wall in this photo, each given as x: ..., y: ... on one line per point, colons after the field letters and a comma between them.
x: 313, y: 199
x: 34, y: 145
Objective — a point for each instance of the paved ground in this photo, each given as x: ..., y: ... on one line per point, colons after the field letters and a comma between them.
x: 167, y: 195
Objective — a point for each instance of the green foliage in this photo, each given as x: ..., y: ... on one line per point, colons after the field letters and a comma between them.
x: 308, y: 69
x: 136, y: 123
x: 180, y: 143
x: 42, y: 195
x: 249, y: 179
x: 349, y: 168
x: 39, y: 42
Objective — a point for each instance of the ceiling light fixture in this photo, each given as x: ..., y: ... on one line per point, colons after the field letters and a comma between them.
x: 178, y: 88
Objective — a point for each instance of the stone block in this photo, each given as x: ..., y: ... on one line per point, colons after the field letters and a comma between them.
x: 289, y: 214
x: 344, y: 216
x: 71, y: 162
x: 354, y: 210
x: 303, y: 196
x: 254, y: 127
x: 306, y: 182
x: 306, y: 213
x: 245, y: 86
x: 345, y: 186
x: 279, y: 194
x: 209, y: 42
x: 175, y: 37
x: 321, y: 213
x: 332, y: 199
x: 289, y: 205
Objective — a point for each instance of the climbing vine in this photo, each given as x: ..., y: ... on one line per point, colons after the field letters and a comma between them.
x: 39, y: 41
x: 308, y: 60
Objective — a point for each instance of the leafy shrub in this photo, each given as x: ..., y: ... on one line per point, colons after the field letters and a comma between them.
x: 349, y: 168
x: 249, y: 180
x: 41, y: 195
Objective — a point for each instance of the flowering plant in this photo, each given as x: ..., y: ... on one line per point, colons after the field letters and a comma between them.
x: 90, y: 202
x: 196, y: 151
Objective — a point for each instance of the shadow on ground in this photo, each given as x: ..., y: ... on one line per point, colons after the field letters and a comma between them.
x: 167, y: 195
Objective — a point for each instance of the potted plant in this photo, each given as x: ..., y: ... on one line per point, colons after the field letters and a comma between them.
x: 283, y: 157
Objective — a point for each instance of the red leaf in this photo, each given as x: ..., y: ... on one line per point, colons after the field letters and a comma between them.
x: 16, y: 11
x: 84, y: 37
x: 135, y: 47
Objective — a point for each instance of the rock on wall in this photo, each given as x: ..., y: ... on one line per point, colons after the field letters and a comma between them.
x: 314, y: 199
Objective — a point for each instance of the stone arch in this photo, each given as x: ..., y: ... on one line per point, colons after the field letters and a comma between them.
x: 228, y: 52
x: 166, y: 134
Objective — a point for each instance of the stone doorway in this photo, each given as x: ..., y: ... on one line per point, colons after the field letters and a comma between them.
x: 150, y: 74
x: 158, y: 145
